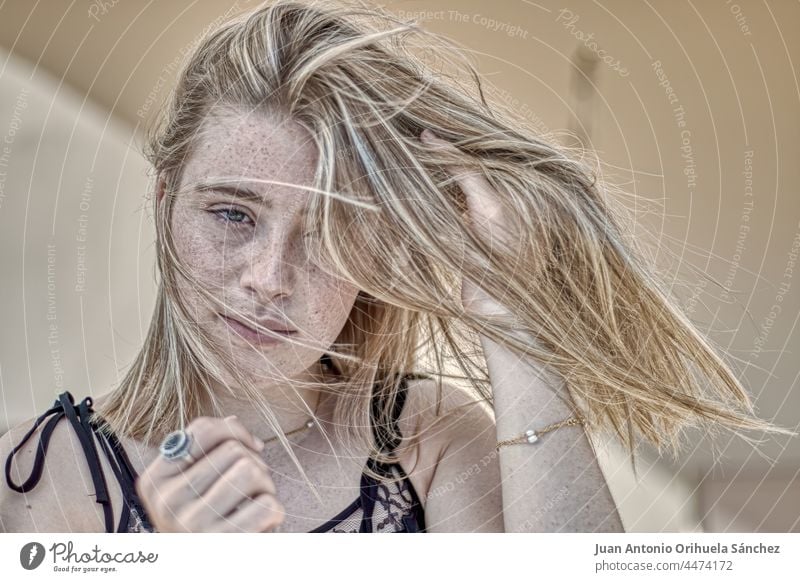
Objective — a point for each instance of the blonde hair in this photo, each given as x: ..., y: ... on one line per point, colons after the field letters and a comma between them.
x: 396, y: 229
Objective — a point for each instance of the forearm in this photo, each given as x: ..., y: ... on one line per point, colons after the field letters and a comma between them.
x: 555, y: 484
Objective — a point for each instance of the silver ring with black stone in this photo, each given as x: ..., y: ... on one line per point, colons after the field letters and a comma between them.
x: 175, y: 447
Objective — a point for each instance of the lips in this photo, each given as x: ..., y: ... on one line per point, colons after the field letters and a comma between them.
x: 275, y: 325
x: 251, y: 334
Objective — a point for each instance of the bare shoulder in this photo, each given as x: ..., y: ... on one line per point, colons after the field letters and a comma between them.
x: 435, y: 419
x: 444, y: 410
x: 458, y: 466
x: 64, y: 498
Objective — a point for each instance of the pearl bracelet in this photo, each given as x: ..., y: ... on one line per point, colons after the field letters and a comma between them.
x: 531, y: 436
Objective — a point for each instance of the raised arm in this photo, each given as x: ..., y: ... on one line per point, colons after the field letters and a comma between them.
x: 555, y: 484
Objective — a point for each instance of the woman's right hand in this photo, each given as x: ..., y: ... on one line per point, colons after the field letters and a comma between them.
x: 226, y: 489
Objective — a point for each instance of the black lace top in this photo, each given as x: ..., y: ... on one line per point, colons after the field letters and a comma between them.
x: 385, y: 505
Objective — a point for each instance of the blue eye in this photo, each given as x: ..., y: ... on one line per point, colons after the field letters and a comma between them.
x: 231, y: 215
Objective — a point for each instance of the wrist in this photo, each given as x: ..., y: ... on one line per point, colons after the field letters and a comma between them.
x: 532, y: 436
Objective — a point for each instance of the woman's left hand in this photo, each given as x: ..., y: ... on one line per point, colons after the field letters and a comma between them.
x: 485, y: 214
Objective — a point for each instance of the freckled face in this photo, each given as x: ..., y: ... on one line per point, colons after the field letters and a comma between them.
x: 250, y: 253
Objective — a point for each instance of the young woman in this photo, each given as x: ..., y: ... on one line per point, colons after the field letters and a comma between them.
x: 335, y: 225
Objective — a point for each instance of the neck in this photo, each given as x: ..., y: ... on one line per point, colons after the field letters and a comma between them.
x: 289, y: 404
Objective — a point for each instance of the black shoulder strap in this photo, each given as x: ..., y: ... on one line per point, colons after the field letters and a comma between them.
x: 385, y: 436
x: 65, y: 406
x: 122, y: 470
x: 369, y: 486
x: 382, y: 433
x: 414, y: 522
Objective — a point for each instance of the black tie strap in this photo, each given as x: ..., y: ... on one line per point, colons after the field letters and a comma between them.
x: 65, y: 406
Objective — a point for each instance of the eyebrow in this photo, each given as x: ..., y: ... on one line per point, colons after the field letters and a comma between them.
x: 236, y: 191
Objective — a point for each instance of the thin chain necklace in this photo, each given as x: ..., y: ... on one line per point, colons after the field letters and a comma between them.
x: 307, y: 425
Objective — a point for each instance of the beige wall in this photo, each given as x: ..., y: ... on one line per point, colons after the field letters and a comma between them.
x: 78, y: 263
x: 93, y: 76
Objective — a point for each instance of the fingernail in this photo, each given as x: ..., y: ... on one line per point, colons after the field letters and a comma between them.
x: 230, y: 417
x: 260, y: 444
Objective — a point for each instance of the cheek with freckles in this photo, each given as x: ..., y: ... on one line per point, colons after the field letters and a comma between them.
x: 328, y: 303
x: 329, y: 298
x: 201, y: 251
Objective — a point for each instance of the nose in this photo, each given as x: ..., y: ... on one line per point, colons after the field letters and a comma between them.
x: 269, y: 271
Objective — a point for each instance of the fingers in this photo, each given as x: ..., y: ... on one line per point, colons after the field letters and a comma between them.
x: 199, y: 477
x: 227, y: 472
x: 206, y: 433
x: 238, y: 486
x: 485, y: 211
x: 262, y: 514
x: 243, y: 480
x: 203, y: 473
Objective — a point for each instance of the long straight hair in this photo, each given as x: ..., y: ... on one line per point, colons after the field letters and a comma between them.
x: 391, y: 221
